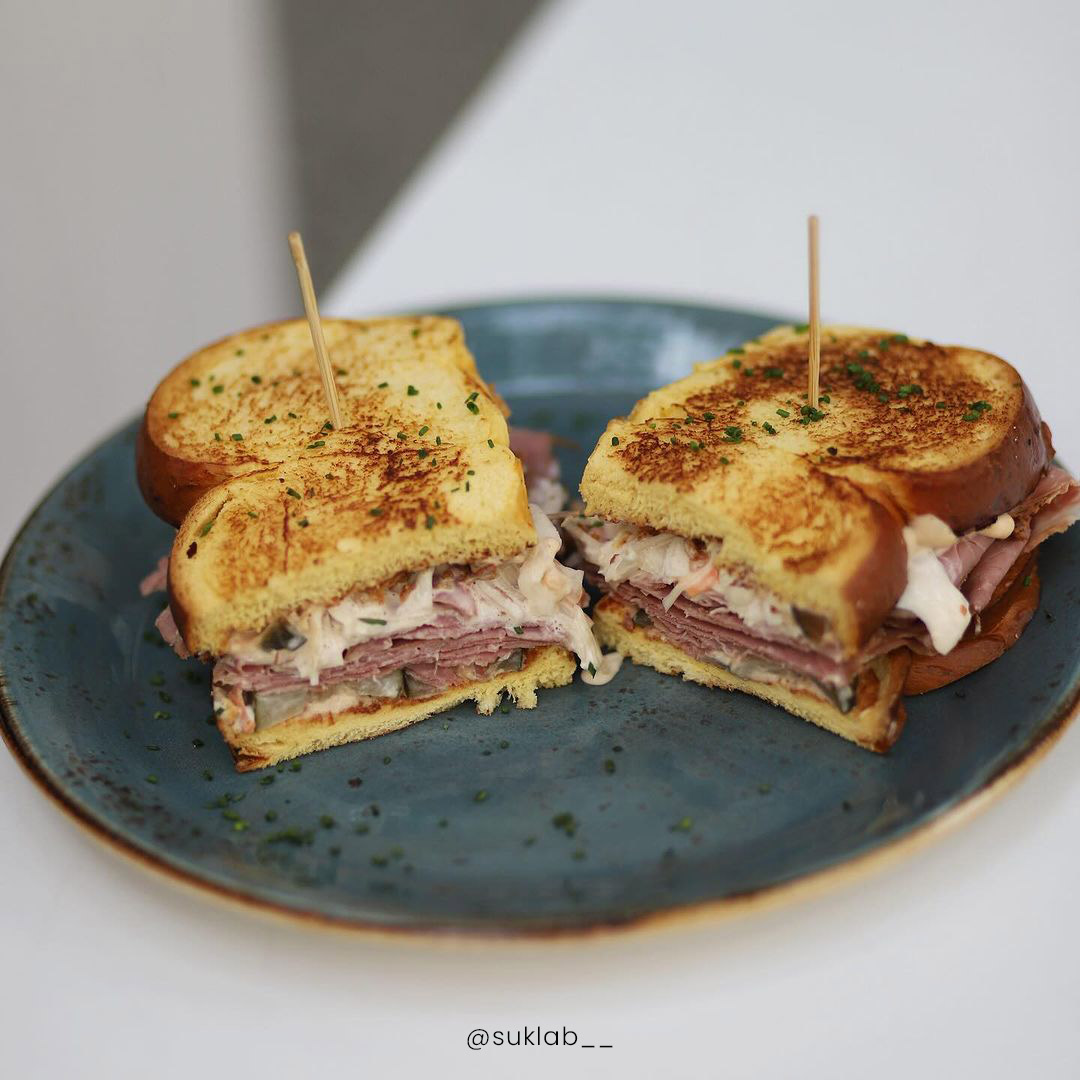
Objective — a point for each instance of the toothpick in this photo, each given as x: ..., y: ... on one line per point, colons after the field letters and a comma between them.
x: 815, y: 313
x: 311, y: 309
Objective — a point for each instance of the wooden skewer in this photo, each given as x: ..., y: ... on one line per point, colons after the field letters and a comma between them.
x: 815, y: 313
x: 311, y: 309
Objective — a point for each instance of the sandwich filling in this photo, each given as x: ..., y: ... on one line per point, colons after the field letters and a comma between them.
x: 682, y: 591
x: 414, y: 637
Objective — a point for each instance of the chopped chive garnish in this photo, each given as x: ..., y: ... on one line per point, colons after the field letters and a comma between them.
x: 293, y: 416
x: 518, y: 630
x: 738, y: 350
x: 732, y: 434
x: 236, y: 437
x: 614, y: 440
x: 801, y: 327
x: 491, y: 443
x: 773, y: 373
x: 736, y: 364
x: 724, y: 461
x: 402, y: 436
x: 375, y: 511
x: 219, y: 389
x: 252, y: 514
x: 293, y: 492
x: 303, y: 523
x: 256, y: 379
x: 270, y: 419
x: 195, y: 382
x: 769, y: 428
x: 429, y: 522
x: 470, y: 472
x: 832, y: 450
x: 908, y: 389
x: 783, y: 412
x: 207, y: 527
x: 411, y: 390
x: 708, y: 416
x: 316, y: 444
x: 422, y: 453
x: 383, y: 385
x: 374, y: 622
x: 217, y: 436
x: 424, y: 430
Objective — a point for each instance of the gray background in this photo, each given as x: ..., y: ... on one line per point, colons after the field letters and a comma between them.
x: 371, y: 85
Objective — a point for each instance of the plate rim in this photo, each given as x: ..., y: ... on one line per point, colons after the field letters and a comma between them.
x: 800, y: 887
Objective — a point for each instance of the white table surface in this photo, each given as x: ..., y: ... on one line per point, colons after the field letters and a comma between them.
x: 668, y: 149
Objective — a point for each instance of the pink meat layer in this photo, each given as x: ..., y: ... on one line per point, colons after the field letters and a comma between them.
x: 442, y: 660
x: 977, y: 564
x: 705, y: 632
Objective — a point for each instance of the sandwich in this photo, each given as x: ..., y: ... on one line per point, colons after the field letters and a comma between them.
x: 828, y: 559
x: 347, y: 583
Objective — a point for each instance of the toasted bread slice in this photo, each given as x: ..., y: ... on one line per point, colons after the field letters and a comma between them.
x: 874, y: 721
x: 814, y: 502
x: 311, y: 530
x: 543, y: 667
x: 254, y: 399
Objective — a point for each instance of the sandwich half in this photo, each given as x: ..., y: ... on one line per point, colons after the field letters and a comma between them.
x: 348, y: 583
x: 823, y: 558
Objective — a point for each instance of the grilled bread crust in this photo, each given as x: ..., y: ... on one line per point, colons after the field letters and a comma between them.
x: 254, y: 400
x: 543, y: 667
x: 874, y: 722
x: 814, y: 504
x: 311, y: 530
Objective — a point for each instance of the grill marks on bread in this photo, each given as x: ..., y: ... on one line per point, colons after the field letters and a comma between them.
x: 254, y: 400
x: 898, y: 417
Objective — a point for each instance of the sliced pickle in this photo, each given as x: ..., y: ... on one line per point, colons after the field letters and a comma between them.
x: 417, y: 688
x: 759, y: 669
x: 281, y: 636
x: 274, y: 706
x: 514, y: 662
x: 810, y: 623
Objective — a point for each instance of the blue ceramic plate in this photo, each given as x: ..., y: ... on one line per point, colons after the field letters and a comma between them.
x: 604, y: 806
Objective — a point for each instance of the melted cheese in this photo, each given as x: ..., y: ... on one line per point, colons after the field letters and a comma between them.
x: 929, y: 594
